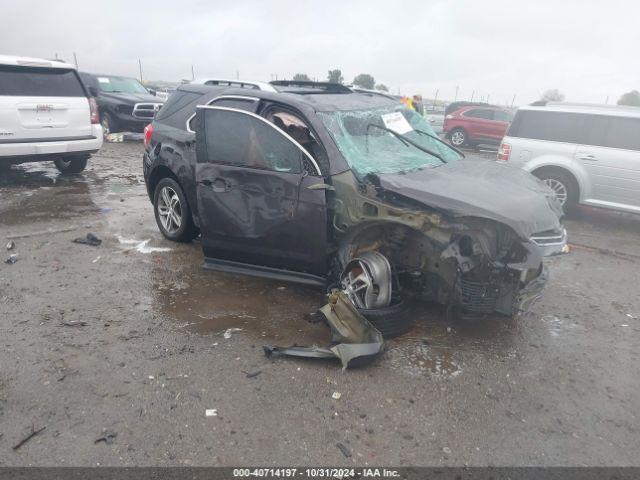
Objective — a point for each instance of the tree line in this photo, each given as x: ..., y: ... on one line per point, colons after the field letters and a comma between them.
x: 363, y: 80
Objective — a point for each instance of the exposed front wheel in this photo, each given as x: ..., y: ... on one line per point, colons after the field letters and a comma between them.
x: 172, y: 212
x: 458, y: 138
x: 70, y: 164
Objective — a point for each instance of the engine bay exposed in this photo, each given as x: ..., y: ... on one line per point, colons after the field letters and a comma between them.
x: 474, y: 265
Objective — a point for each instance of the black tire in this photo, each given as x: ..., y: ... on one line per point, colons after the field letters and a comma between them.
x: 566, y: 181
x: 186, y: 231
x: 458, y: 137
x: 68, y: 165
x: 108, y: 123
x: 391, y: 321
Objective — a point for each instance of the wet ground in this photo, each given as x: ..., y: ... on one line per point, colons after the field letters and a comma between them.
x: 133, y: 338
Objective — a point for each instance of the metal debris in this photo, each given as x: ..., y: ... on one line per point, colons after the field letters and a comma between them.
x: 13, y: 258
x: 10, y: 245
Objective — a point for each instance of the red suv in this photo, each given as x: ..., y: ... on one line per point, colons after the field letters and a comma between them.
x: 471, y: 125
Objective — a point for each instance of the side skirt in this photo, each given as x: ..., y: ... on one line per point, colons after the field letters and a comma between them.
x: 264, y: 272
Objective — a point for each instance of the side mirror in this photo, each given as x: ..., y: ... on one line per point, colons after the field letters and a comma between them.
x: 93, y: 91
x: 152, y: 91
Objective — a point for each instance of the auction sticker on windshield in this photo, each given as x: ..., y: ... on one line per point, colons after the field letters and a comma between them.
x: 103, y: 80
x: 395, y: 121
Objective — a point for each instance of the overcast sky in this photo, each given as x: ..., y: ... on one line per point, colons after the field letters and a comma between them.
x: 587, y: 49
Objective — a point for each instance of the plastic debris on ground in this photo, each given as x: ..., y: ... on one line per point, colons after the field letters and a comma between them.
x: 13, y: 258
x: 107, y: 437
x: 336, y: 395
x: 10, y: 245
x: 354, y: 340
x: 230, y: 331
x: 89, y: 239
x: 211, y: 412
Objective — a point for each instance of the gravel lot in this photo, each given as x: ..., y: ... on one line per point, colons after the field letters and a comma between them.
x: 118, y: 350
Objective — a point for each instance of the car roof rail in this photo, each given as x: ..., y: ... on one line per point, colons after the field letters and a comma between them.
x: 312, y: 87
x: 224, y: 82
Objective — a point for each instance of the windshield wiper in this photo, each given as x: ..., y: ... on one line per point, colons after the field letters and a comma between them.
x: 404, y: 140
x: 441, y: 141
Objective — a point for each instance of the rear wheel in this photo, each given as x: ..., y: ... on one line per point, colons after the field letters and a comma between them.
x: 108, y: 123
x: 458, y: 137
x: 563, y: 186
x: 172, y: 212
x: 71, y: 164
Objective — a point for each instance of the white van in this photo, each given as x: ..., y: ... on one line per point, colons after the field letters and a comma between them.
x: 588, y: 154
x: 46, y: 114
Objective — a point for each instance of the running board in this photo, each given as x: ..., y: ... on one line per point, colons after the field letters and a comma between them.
x: 229, y: 266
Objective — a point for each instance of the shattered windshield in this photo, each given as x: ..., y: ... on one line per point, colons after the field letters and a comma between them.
x: 386, y: 140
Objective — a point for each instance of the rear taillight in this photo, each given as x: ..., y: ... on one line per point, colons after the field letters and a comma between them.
x: 504, y: 152
x: 148, y: 131
x: 93, y: 110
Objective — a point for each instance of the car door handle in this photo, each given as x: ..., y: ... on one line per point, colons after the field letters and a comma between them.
x: 206, y: 183
x: 588, y: 158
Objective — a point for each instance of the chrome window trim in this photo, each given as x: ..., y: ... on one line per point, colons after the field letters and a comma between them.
x: 220, y: 97
x: 264, y: 120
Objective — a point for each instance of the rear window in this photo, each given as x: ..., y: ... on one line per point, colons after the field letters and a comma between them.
x: 550, y: 126
x: 479, y: 113
x: 39, y: 82
x: 176, y: 101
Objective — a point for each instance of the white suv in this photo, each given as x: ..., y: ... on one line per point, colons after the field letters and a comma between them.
x: 46, y: 114
x: 588, y: 154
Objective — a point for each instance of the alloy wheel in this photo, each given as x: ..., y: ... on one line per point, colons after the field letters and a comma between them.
x: 559, y: 189
x: 367, y: 281
x: 457, y: 138
x: 169, y: 210
x: 104, y: 121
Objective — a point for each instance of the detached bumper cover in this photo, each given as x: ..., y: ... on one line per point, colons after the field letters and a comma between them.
x: 354, y: 340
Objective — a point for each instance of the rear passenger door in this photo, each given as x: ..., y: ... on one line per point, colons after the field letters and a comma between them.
x: 611, y: 155
x: 480, y: 123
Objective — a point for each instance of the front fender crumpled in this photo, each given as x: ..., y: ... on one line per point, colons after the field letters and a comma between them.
x: 354, y: 340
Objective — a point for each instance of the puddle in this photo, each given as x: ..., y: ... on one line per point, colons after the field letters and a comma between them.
x: 556, y: 325
x: 212, y: 303
x: 414, y: 357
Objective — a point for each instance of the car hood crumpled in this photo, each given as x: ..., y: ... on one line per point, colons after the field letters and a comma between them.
x: 484, y: 189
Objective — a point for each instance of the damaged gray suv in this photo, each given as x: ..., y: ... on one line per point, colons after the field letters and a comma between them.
x: 319, y: 184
